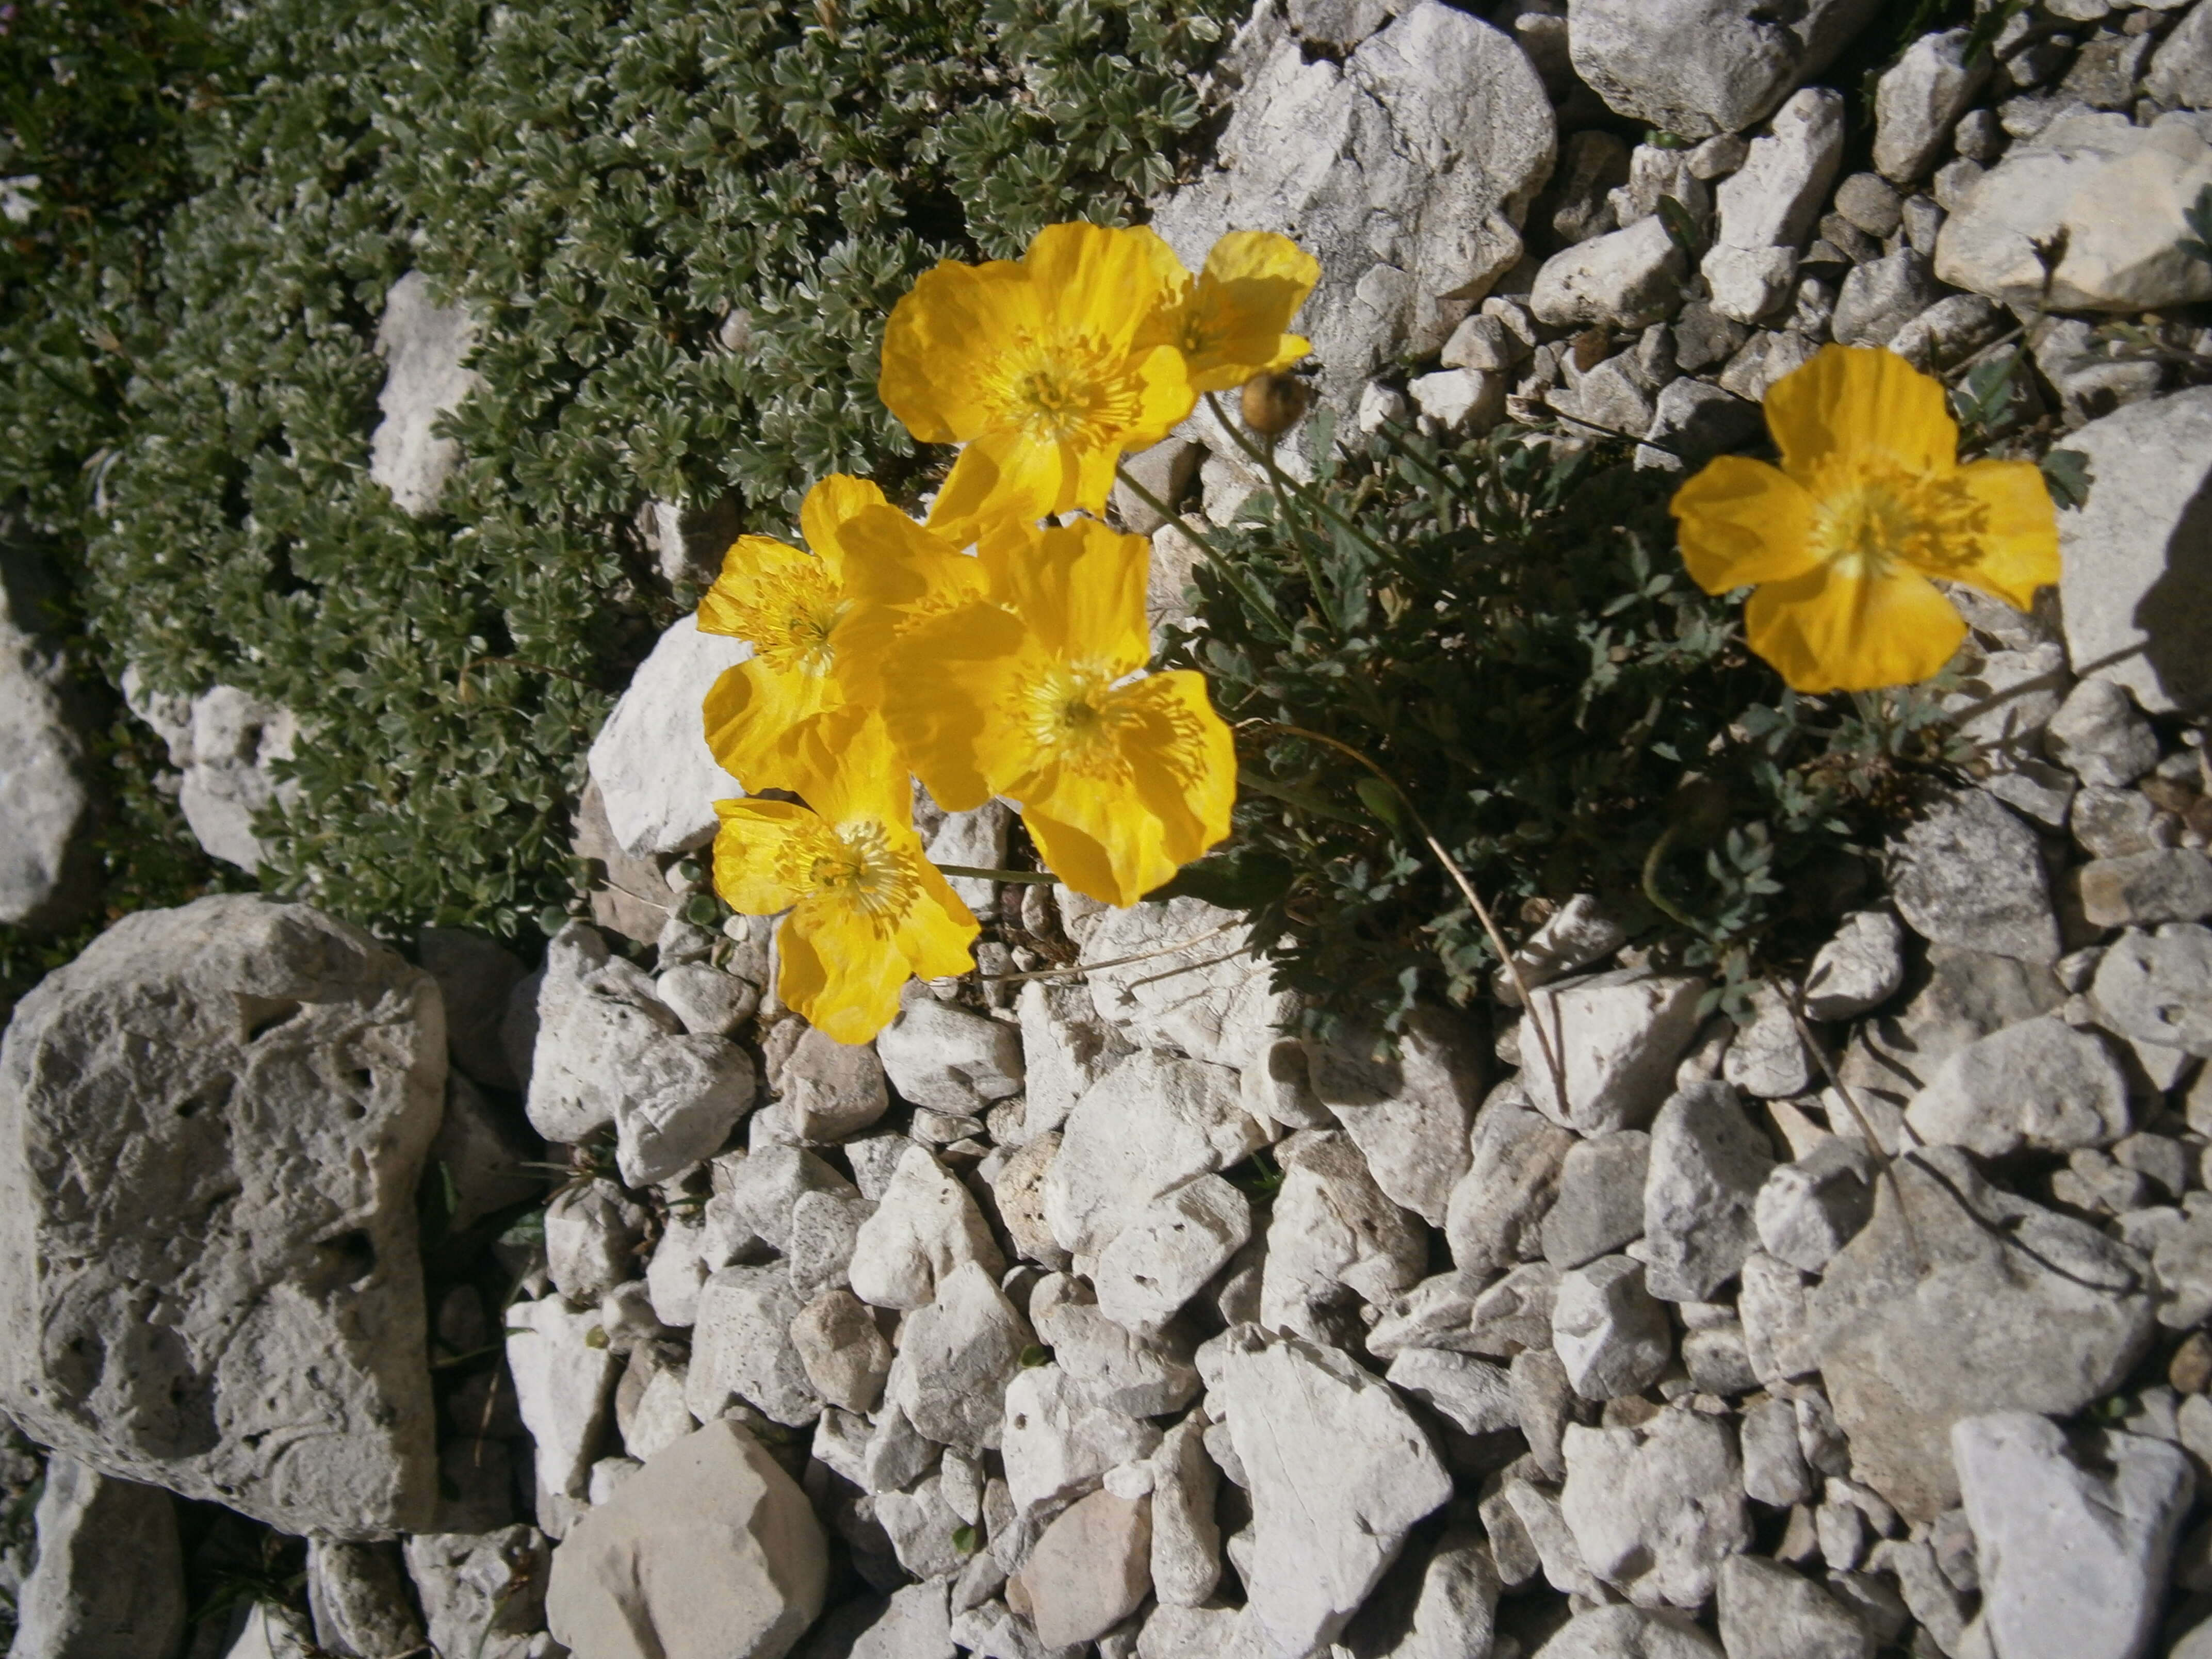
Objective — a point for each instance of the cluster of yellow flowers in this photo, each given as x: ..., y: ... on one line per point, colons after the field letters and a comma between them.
x: 990, y: 651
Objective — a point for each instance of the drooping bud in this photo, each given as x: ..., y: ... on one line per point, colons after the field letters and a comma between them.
x: 1274, y: 404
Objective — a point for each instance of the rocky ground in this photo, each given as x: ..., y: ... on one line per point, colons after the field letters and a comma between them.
x: 1089, y: 1308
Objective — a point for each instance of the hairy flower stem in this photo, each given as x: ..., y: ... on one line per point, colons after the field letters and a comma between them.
x: 1309, y: 497
x: 1257, y: 603
x: 1033, y: 878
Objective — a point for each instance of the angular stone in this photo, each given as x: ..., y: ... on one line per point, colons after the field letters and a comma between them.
x: 1057, y: 1439
x: 1065, y: 1048
x: 2171, y: 883
x: 1774, y: 1470
x: 1186, y: 1563
x: 1617, y: 1037
x: 1334, y: 1235
x: 482, y: 1594
x: 1326, y: 1529
x: 2181, y: 71
x: 2040, y: 1084
x: 709, y: 1550
x: 657, y: 780
x: 926, y: 1226
x: 1618, y: 1632
x: 424, y: 345
x: 1609, y: 1331
x: 1407, y: 172
x: 1576, y: 934
x: 1442, y: 1607
x: 1808, y: 1210
x: 1880, y: 297
x: 1147, y: 1127
x: 1144, y: 1373
x: 1408, y: 1114
x: 1920, y: 97
x: 844, y: 1355
x: 955, y: 1357
x: 948, y: 1058
x: 1966, y: 872
x: 1770, y: 202
x: 1600, y: 1202
x: 47, y: 872
x: 2031, y: 1311
x: 831, y: 1089
x: 2097, y: 733
x: 1474, y: 1395
x: 1167, y: 1252
x: 1499, y: 1205
x: 2111, y: 190
x: 234, y: 1308
x: 2156, y: 987
x: 359, y: 1597
x: 1768, y: 1612
x: 109, y: 1578
x: 1695, y: 68
x: 1767, y: 1058
x: 1656, y: 1508
x: 1858, y: 970
x: 1090, y: 1570
x: 1707, y: 1163
x: 563, y: 1385
x: 741, y: 1344
x: 590, y: 1232
x: 824, y: 1230
x: 1624, y: 279
x: 2071, y: 1544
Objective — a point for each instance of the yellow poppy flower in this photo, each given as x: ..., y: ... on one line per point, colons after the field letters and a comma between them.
x: 867, y: 911
x: 1034, y: 366
x: 1230, y: 322
x: 1121, y: 779
x: 1869, y: 503
x: 818, y: 620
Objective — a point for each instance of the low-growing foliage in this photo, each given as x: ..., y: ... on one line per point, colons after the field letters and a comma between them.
x: 1503, y: 627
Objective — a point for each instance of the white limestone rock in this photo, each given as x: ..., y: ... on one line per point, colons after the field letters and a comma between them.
x: 1065, y: 1048
x: 357, y: 1594
x: 657, y: 778
x: 1707, y: 1163
x: 1144, y: 1373
x: 108, y: 1579
x: 590, y: 1232
x: 1165, y: 1254
x: 47, y: 875
x: 1407, y: 171
x: 926, y: 1225
x: 1599, y: 1207
x: 1966, y: 872
x: 1090, y: 1570
x: 955, y: 1357
x: 1767, y: 205
x: 1768, y: 1612
x: 2112, y: 189
x: 1574, y: 936
x: 1185, y: 1563
x: 1325, y: 1528
x: 1059, y: 1439
x: 1625, y: 279
x: 1625, y: 1632
x: 2040, y: 1084
x: 1144, y: 1129
x: 1766, y: 1058
x: 1409, y: 1113
x: 1608, y: 1330
x: 425, y: 346
x: 482, y: 1594
x: 2071, y: 1544
x: 1695, y: 68
x: 1809, y: 1209
x: 1505, y: 1197
x: 226, y: 742
x: 948, y: 1058
x: 1858, y: 970
x: 233, y: 1307
x: 1617, y: 1036
x: 741, y: 1346
x: 710, y: 1549
x: 1919, y: 99
x: 2155, y: 988
x: 2135, y: 570
x: 1203, y: 996
x: 563, y: 1387
x: 1333, y: 1236
x: 1656, y: 1508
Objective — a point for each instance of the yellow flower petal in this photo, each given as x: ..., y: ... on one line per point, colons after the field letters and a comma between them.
x: 943, y: 345
x: 845, y: 766
x: 762, y: 849
x: 950, y: 692
x: 840, y: 972
x: 825, y: 511
x: 1081, y: 590
x: 1113, y: 857
x: 1743, y: 522
x: 896, y: 574
x: 752, y: 711
x: 1097, y: 281
x: 1005, y: 477
x: 1828, y: 631
x: 764, y: 587
x: 1855, y: 405
x: 1233, y: 325
x: 2016, y: 550
x: 938, y: 935
x: 1184, y: 759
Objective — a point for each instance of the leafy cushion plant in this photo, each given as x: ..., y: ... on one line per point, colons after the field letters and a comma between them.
x: 1493, y: 641
x: 680, y: 232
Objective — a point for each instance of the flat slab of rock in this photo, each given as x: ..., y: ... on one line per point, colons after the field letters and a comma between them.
x: 2026, y: 1310
x: 211, y: 1125
x: 2136, y: 557
x: 709, y: 1552
x: 1966, y: 872
x: 1326, y: 1529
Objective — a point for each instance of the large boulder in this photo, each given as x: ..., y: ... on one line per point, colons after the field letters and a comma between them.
x: 1406, y: 171
x: 47, y: 801
x: 1695, y: 68
x: 211, y: 1125
x: 2136, y: 556
x: 709, y: 1552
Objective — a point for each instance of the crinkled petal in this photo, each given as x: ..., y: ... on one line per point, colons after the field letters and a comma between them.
x: 827, y: 507
x: 845, y: 766
x: 1744, y: 522
x: 896, y: 572
x: 1081, y: 590
x: 937, y: 934
x: 751, y: 712
x: 1183, y: 759
x: 1852, y: 403
x: 1094, y: 281
x: 1827, y: 632
x: 945, y: 344
x: 748, y: 561
x: 1004, y: 477
x: 840, y: 970
x: 2016, y: 550
x: 947, y: 692
x: 1235, y: 326
x: 1099, y: 845
x: 762, y: 849
x: 1165, y: 397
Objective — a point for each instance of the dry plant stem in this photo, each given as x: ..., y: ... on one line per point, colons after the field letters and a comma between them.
x: 1119, y: 961
x: 1466, y: 891
x: 1794, y: 1000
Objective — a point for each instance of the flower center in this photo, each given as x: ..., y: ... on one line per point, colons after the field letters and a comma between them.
x: 857, y: 868
x: 1872, y: 518
x: 789, y: 616
x: 1073, y: 716
x: 1065, y: 390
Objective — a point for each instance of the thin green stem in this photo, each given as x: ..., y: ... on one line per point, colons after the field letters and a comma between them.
x: 1313, y: 498
x: 1033, y: 878
x: 1259, y: 607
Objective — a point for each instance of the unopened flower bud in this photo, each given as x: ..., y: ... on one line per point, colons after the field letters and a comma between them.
x: 1274, y: 404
